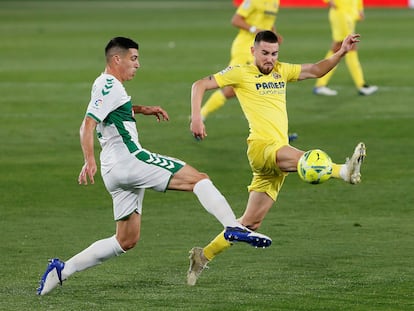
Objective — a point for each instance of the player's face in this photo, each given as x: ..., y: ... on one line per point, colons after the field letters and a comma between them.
x: 129, y: 64
x: 265, y: 55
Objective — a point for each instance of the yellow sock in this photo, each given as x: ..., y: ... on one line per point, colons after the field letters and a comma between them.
x: 216, y: 246
x: 354, y: 67
x: 216, y: 100
x: 326, y: 78
x: 336, y: 168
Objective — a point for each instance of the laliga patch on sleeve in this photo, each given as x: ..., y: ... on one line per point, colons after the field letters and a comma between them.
x: 246, y: 4
x: 98, y: 103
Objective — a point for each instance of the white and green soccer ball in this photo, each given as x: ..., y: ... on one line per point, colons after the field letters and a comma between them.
x: 315, y: 166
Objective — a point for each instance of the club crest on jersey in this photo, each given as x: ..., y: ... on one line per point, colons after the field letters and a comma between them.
x: 276, y: 75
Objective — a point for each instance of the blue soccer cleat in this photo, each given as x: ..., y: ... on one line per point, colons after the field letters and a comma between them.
x: 52, y: 277
x: 242, y: 234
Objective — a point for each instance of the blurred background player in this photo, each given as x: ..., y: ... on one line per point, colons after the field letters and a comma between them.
x: 343, y: 16
x: 251, y: 17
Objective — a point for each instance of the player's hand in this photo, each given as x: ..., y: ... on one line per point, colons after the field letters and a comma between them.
x: 198, y: 129
x: 157, y: 111
x: 350, y: 42
x: 87, y: 171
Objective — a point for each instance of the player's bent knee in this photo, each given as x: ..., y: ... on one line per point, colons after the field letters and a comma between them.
x: 186, y: 178
x: 128, y: 242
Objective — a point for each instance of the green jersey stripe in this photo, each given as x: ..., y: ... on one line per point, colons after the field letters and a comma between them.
x: 93, y: 117
x: 118, y: 117
x: 160, y: 161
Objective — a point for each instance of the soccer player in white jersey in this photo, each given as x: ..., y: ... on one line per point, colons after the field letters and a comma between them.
x: 128, y: 169
x: 261, y: 90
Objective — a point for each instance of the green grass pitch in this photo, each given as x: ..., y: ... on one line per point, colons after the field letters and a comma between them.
x: 335, y: 246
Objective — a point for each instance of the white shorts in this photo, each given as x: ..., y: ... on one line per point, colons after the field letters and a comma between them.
x: 127, y: 180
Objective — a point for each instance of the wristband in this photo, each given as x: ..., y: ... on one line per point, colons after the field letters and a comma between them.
x: 252, y: 29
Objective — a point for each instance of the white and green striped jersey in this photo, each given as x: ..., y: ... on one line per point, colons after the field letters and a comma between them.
x: 111, y: 107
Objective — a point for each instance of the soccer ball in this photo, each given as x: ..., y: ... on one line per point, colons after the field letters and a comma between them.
x: 315, y: 166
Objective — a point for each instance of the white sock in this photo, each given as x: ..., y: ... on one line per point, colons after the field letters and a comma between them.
x: 343, y: 172
x: 94, y: 255
x: 215, y: 203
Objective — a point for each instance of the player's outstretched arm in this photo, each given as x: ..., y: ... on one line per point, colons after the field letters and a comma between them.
x: 157, y: 111
x: 322, y: 67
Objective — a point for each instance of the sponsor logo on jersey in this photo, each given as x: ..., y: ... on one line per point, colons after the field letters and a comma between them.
x: 270, y: 85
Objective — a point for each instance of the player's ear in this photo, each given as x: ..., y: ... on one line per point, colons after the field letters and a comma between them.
x: 116, y: 58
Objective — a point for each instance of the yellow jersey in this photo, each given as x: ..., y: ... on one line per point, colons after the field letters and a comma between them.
x: 262, y: 97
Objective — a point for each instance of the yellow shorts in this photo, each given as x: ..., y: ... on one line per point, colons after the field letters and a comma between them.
x: 240, y: 51
x: 241, y: 58
x: 267, y: 177
x: 342, y: 24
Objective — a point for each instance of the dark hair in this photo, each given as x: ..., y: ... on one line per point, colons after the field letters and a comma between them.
x: 120, y: 43
x: 266, y: 36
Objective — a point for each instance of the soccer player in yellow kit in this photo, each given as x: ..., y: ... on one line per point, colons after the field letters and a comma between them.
x: 261, y: 90
x: 251, y: 17
x: 343, y: 16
